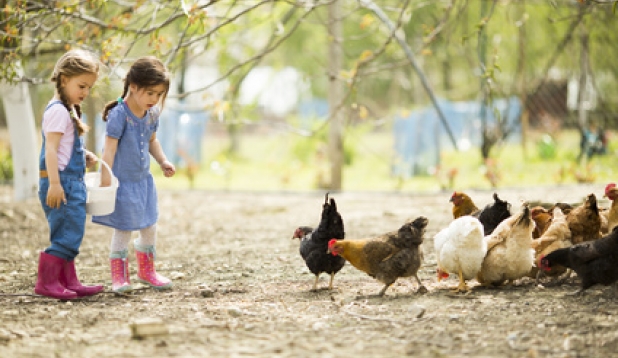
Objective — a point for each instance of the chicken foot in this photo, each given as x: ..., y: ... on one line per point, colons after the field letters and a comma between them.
x: 381, y: 293
x: 462, y: 287
x: 315, y: 284
x: 421, y: 287
x: 576, y: 293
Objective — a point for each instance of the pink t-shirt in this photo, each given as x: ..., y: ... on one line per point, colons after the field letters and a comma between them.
x: 56, y: 119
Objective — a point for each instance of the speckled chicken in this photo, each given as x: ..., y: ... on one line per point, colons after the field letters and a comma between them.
x: 389, y: 256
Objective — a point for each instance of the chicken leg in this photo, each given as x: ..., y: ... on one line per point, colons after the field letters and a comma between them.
x: 381, y: 293
x: 421, y: 288
x: 462, y: 284
x: 332, y: 277
x: 315, y: 284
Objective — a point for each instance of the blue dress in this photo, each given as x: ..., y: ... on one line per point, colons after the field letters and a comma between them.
x: 136, y: 198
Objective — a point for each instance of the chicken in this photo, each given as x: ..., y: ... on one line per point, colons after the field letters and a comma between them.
x: 585, y: 221
x: 509, y: 253
x: 490, y: 216
x: 462, y: 205
x: 314, y: 243
x: 557, y: 236
x: 460, y: 249
x: 542, y: 219
x: 387, y: 257
x: 595, y: 262
x: 611, y: 192
x: 493, y: 214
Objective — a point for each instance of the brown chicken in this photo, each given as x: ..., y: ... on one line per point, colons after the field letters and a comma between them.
x: 542, y: 218
x: 387, y: 257
x: 585, y: 221
x: 557, y: 236
x: 462, y: 205
x: 611, y: 192
x: 490, y: 216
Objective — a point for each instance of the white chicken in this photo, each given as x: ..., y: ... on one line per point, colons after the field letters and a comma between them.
x: 460, y: 249
x: 509, y: 252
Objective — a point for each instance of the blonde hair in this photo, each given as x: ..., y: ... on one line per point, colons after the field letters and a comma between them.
x: 71, y: 64
x: 145, y: 72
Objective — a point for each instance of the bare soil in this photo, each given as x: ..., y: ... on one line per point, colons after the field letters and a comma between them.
x: 242, y: 289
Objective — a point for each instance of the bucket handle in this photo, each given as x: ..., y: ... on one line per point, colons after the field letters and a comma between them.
x: 104, y: 164
x: 106, y: 167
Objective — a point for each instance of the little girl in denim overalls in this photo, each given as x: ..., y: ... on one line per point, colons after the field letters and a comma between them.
x: 62, y: 165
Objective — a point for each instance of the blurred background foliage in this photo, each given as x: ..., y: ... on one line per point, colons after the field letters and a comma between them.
x: 539, y: 51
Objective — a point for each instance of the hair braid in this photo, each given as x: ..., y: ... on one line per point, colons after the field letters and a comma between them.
x: 75, y: 113
x: 112, y: 104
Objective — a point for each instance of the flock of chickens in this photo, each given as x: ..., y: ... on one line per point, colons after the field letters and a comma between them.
x: 491, y: 245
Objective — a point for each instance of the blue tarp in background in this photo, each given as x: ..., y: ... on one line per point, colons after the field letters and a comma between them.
x: 180, y: 132
x: 419, y: 135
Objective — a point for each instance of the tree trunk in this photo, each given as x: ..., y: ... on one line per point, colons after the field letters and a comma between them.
x: 22, y: 134
x: 335, y: 95
x: 582, y: 114
x: 91, y: 116
x: 521, y: 71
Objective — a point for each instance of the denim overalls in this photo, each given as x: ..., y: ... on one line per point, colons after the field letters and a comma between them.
x: 67, y: 223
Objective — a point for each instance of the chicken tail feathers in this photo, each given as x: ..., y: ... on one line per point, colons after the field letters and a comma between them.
x: 525, y: 217
x: 331, y: 224
x: 412, y: 232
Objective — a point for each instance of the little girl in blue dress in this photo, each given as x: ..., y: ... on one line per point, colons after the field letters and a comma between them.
x: 132, y: 123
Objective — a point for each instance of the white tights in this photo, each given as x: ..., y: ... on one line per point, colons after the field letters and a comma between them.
x: 121, y: 238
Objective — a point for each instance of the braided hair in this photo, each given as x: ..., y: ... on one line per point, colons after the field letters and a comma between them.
x: 145, y: 72
x: 71, y: 64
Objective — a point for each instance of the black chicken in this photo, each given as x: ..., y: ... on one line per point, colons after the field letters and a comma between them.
x: 493, y: 214
x: 314, y: 243
x: 595, y: 262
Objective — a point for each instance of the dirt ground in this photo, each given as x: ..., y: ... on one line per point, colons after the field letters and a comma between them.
x: 242, y: 289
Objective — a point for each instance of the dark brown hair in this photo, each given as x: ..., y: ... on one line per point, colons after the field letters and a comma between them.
x: 145, y: 72
x: 71, y: 64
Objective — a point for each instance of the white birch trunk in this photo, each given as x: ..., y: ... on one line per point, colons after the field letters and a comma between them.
x: 22, y: 134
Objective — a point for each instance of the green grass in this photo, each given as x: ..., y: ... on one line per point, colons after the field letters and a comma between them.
x: 275, y: 162
x: 286, y: 161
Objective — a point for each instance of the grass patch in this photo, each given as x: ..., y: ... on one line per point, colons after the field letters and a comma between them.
x: 273, y: 162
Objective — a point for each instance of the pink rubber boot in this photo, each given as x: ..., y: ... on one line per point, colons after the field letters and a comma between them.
x: 68, y: 278
x: 145, y: 268
x: 48, y: 280
x: 121, y: 282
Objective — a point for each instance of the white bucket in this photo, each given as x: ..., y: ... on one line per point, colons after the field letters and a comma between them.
x: 101, y: 200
